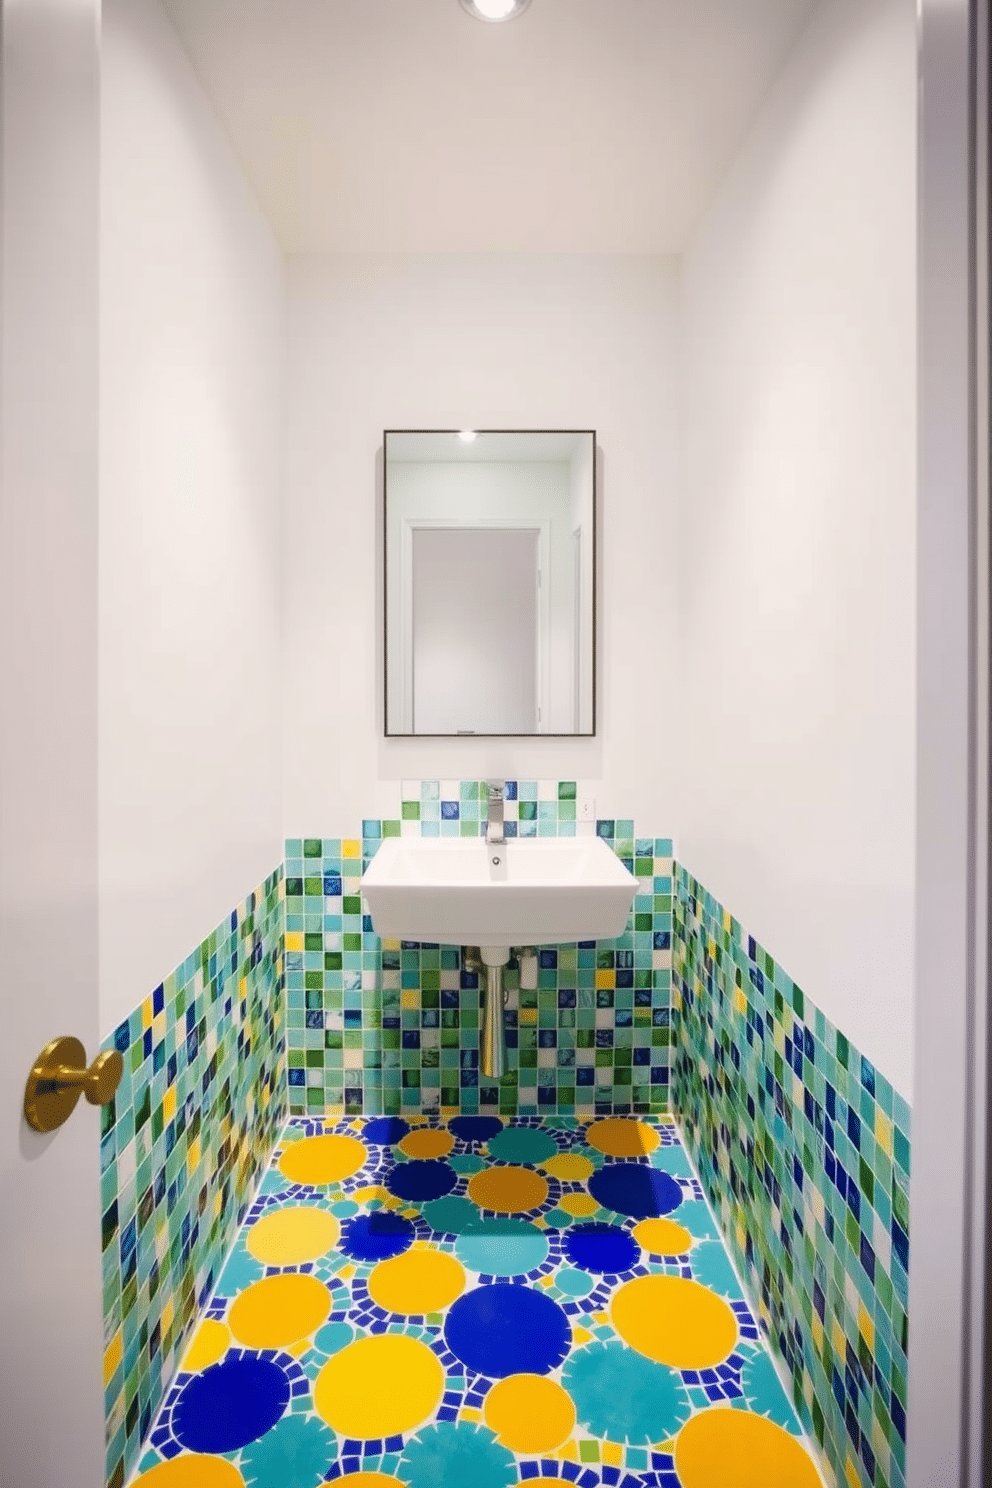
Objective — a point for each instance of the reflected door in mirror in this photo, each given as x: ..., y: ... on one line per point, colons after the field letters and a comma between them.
x: 475, y: 631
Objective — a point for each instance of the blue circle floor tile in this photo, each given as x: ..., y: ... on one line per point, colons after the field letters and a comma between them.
x: 636, y: 1190
x: 230, y: 1404
x: 505, y: 1329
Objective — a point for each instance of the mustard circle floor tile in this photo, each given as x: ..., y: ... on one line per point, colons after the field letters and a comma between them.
x: 427, y: 1143
x: 663, y: 1237
x: 419, y: 1282
x: 291, y: 1237
x: 317, y: 1161
x: 191, y: 1470
x: 367, y: 1480
x: 674, y: 1321
x: 579, y: 1205
x: 529, y: 1413
x: 279, y: 1310
x: 508, y: 1190
x: 734, y: 1446
x: 569, y: 1167
x: 618, y: 1136
x: 379, y: 1386
x: 210, y: 1343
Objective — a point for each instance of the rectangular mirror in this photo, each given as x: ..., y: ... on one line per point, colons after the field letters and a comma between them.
x: 490, y: 550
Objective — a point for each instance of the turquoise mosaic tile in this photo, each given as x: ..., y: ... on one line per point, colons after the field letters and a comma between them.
x: 804, y: 1151
x: 381, y: 1026
x: 184, y: 1142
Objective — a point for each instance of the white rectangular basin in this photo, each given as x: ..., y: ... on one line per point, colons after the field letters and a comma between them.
x: 464, y: 891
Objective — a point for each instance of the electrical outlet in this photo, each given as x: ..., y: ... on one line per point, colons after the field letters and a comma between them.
x: 587, y: 809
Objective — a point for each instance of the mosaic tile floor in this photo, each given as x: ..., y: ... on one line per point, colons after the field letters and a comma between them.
x: 473, y: 1302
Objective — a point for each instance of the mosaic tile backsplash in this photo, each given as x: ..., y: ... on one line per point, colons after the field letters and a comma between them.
x: 379, y: 1026
x: 196, y: 1117
x: 804, y: 1150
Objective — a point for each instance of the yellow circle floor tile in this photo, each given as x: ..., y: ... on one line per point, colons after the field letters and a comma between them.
x: 508, y: 1190
x: 416, y: 1283
x: 320, y: 1160
x: 529, y: 1413
x: 578, y: 1204
x: 192, y: 1471
x: 734, y: 1446
x: 291, y: 1237
x: 379, y: 1386
x: 570, y: 1167
x: 279, y: 1310
x: 618, y: 1136
x: 368, y: 1480
x: 674, y: 1321
x: 210, y: 1343
x: 427, y: 1143
x: 662, y: 1237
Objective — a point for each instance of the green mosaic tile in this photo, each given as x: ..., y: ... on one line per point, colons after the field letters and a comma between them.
x: 183, y: 1144
x: 806, y: 1164
x: 422, y: 1005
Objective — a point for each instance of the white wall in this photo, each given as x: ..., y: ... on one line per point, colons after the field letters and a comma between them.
x: 190, y: 450
x: 797, y: 544
x: 472, y: 341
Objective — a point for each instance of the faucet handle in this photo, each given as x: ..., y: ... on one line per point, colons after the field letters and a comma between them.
x: 495, y: 789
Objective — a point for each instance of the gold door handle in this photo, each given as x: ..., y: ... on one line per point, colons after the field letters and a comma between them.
x: 58, y: 1078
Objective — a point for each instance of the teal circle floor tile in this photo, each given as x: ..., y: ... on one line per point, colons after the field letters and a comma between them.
x: 694, y: 1214
x: 467, y: 1162
x: 502, y: 1247
x: 296, y: 1453
x: 574, y: 1283
x: 622, y: 1396
x: 523, y: 1144
x: 450, y: 1215
x: 453, y: 1455
x: 333, y: 1337
x: 764, y: 1394
x: 711, y: 1267
x: 241, y: 1270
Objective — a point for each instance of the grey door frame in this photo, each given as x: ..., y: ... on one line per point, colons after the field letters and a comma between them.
x: 947, y: 1414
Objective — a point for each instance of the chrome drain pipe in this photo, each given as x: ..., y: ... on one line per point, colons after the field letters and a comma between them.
x: 492, y: 1049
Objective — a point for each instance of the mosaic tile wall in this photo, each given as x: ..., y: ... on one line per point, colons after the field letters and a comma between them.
x: 382, y: 1027
x: 804, y: 1149
x: 195, y: 1120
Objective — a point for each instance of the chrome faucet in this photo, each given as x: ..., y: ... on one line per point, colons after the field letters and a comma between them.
x: 494, y: 816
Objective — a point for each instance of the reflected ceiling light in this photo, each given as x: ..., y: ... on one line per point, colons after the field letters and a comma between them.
x: 494, y: 10
x: 466, y: 435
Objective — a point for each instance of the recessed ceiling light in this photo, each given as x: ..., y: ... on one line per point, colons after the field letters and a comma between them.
x: 494, y: 10
x: 466, y: 435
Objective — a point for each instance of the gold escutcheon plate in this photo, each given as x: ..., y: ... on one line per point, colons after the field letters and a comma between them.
x: 59, y: 1076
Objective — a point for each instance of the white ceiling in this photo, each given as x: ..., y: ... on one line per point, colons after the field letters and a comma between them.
x: 406, y: 126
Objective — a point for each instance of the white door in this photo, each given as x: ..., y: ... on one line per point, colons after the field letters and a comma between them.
x: 475, y: 630
x: 51, y: 1398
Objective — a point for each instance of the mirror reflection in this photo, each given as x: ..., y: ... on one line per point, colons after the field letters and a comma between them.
x: 489, y: 581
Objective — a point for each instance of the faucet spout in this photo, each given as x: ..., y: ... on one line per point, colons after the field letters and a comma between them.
x: 494, y: 814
